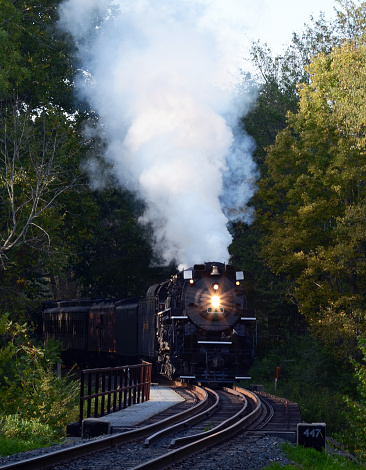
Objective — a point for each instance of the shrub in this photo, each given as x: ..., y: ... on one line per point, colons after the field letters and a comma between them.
x: 32, y: 393
x: 308, y: 375
x: 355, y: 438
x: 14, y: 426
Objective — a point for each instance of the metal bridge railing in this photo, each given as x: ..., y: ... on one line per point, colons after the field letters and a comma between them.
x: 111, y: 389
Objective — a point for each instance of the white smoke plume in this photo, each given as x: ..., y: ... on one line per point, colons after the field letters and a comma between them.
x: 166, y: 78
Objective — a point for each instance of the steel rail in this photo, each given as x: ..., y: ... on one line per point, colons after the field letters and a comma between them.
x: 224, y: 424
x: 188, y: 422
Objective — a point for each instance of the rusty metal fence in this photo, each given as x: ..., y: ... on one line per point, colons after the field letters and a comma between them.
x: 111, y: 389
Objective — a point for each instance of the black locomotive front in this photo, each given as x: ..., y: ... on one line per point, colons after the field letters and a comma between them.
x: 204, y: 330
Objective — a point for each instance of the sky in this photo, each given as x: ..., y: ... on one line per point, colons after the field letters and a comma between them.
x: 280, y: 18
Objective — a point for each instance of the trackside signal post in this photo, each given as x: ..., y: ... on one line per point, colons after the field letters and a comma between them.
x: 276, y: 378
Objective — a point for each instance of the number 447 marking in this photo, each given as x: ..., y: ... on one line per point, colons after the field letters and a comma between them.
x: 313, y: 432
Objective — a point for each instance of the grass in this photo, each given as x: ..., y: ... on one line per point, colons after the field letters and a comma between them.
x: 18, y: 435
x: 310, y: 459
x: 10, y: 446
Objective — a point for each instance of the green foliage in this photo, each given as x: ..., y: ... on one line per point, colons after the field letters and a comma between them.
x: 306, y: 247
x: 275, y: 83
x: 32, y: 393
x: 311, y: 459
x: 355, y: 438
x: 18, y: 434
x: 15, y: 71
x: 313, y: 221
x: 267, y: 294
x: 276, y: 78
x: 309, y: 376
x: 39, y: 150
x: 272, y: 291
x: 36, y: 57
x: 114, y: 259
x: 37, y: 165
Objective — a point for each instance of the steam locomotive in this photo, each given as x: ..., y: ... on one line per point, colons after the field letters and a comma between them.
x: 195, y: 326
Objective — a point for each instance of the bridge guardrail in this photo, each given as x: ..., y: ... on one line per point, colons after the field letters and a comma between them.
x: 104, y: 391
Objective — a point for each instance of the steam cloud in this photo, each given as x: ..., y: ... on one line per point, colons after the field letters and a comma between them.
x: 165, y: 81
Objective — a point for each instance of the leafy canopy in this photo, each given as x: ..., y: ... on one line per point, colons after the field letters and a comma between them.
x: 315, y: 197
x: 36, y: 57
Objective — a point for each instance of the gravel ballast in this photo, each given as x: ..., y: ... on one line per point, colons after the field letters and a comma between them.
x: 237, y: 453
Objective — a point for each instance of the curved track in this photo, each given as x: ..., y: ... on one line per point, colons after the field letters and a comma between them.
x: 215, y: 417
x: 247, y: 410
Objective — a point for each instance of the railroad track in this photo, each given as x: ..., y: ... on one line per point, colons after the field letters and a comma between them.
x: 212, y: 418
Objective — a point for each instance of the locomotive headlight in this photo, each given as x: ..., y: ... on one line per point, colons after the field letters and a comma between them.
x: 215, y: 301
x: 215, y: 287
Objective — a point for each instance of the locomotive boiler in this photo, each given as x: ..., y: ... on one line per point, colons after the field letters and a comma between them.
x: 195, y: 326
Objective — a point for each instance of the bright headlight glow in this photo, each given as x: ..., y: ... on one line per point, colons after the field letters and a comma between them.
x: 215, y: 301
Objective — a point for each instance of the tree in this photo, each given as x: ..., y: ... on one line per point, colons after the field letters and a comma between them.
x: 36, y: 137
x: 39, y: 170
x: 37, y: 60
x: 40, y: 151
x: 276, y: 79
x: 37, y: 165
x: 315, y: 196
x: 268, y: 294
x: 114, y: 260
